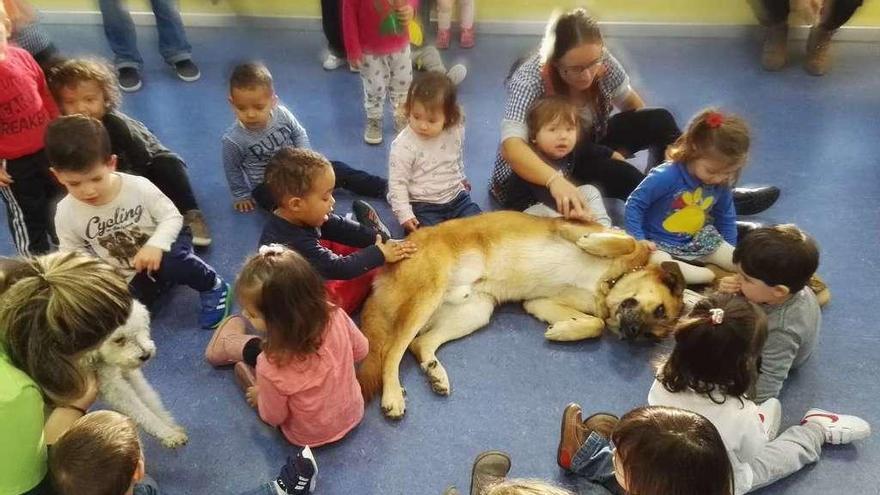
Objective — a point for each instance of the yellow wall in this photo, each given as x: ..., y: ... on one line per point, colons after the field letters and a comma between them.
x: 696, y: 11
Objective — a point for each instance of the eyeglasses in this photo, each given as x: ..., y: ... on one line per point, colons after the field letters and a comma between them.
x: 576, y: 70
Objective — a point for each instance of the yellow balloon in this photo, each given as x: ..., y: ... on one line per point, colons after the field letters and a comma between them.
x: 415, y: 33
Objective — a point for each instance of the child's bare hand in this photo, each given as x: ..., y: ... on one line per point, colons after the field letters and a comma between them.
x: 411, y: 225
x: 244, y: 205
x: 730, y: 284
x: 147, y: 258
x: 5, y: 178
x: 618, y: 156
x: 251, y: 395
x: 395, y: 251
x: 405, y: 13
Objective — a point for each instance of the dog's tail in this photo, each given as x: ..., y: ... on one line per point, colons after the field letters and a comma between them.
x: 374, y: 323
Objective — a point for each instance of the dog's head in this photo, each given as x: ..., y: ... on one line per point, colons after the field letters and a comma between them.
x: 129, y: 346
x: 646, y: 302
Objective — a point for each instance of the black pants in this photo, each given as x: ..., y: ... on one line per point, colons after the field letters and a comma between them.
x: 30, y: 203
x: 331, y: 20
x: 836, y: 12
x: 168, y: 172
x: 650, y: 129
x: 352, y: 179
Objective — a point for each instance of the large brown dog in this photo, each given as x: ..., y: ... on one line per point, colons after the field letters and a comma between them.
x: 577, y: 277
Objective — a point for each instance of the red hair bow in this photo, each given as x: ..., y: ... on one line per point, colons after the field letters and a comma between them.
x: 714, y: 120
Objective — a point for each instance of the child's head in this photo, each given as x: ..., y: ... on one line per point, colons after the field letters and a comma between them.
x: 78, y: 148
x: 283, y: 296
x: 553, y: 124
x: 669, y: 451
x: 85, y: 86
x: 717, y: 347
x: 714, y: 147
x: 301, y: 182
x: 431, y: 104
x: 521, y: 486
x: 775, y: 262
x: 100, y: 454
x: 53, y: 309
x: 252, y: 94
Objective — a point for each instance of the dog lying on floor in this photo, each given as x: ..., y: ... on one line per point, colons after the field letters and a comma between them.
x: 578, y: 277
x: 121, y: 383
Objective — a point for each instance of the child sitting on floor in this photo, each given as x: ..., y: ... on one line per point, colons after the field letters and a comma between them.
x: 342, y: 251
x: 89, y: 87
x: 426, y: 181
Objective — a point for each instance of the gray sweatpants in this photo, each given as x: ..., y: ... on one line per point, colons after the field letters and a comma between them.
x: 427, y: 58
x: 786, y: 454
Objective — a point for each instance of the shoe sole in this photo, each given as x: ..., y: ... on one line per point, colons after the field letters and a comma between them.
x: 201, y: 241
x: 189, y: 78
x: 132, y: 89
x: 479, y: 458
x: 372, y: 141
x: 561, y: 431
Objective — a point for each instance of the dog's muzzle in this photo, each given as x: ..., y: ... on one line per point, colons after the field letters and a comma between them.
x: 631, y: 319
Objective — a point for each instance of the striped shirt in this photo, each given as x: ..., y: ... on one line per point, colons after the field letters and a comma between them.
x: 425, y: 170
x: 524, y: 87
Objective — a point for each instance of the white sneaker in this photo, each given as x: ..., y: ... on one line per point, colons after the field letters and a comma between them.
x: 456, y: 74
x: 839, y: 428
x: 373, y: 131
x: 332, y: 62
x: 770, y: 412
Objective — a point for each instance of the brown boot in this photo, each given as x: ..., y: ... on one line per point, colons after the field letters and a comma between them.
x: 601, y: 423
x: 820, y: 289
x: 571, y: 435
x: 489, y: 469
x: 774, y: 54
x: 818, y: 51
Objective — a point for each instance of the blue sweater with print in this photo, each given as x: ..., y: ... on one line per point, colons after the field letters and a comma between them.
x: 670, y: 206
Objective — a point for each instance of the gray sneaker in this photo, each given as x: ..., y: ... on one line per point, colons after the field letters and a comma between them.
x: 373, y: 131
x: 195, y: 220
x: 489, y: 468
x: 456, y: 74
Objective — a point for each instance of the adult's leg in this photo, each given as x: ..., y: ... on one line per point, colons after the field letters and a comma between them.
x: 652, y: 129
x: 788, y: 453
x: 614, y: 178
x: 29, y: 203
x: 120, y: 32
x: 331, y: 22
x: 359, y: 181
x: 838, y: 13
x: 173, y: 44
x: 770, y: 12
x: 168, y: 172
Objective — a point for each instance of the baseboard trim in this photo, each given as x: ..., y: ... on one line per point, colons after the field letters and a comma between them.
x: 614, y: 29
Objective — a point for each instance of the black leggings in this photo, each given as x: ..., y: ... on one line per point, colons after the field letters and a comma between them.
x: 650, y: 129
x: 331, y: 21
x: 168, y: 172
x: 836, y: 12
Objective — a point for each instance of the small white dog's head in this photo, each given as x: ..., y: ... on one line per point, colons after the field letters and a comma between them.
x: 129, y: 346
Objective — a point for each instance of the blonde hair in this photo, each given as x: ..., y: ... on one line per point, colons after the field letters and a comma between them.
x: 55, y: 307
x: 522, y: 486
x: 69, y: 73
x: 712, y: 131
x: 98, y: 455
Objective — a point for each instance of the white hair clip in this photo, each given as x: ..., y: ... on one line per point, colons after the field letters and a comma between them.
x: 271, y: 249
x: 716, y: 315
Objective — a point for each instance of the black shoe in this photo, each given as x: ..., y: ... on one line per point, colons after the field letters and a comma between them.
x: 743, y: 228
x: 367, y: 216
x: 751, y: 201
x: 299, y: 474
x: 129, y: 79
x: 187, y: 70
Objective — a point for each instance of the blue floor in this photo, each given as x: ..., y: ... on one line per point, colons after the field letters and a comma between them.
x: 816, y: 138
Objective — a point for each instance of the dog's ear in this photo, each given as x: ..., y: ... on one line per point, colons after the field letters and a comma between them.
x: 671, y: 276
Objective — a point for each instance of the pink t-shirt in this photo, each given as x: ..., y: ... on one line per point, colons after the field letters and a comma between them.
x: 316, y: 399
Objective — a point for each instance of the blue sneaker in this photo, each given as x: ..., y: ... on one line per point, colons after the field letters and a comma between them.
x: 216, y: 304
x: 299, y: 475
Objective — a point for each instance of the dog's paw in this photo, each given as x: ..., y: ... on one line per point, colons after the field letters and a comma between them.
x: 394, y: 404
x: 437, y: 377
x: 574, y: 329
x: 176, y: 439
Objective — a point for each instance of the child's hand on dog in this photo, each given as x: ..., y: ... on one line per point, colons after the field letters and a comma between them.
x: 730, y: 284
x: 147, y: 258
x: 395, y: 251
x: 252, y: 394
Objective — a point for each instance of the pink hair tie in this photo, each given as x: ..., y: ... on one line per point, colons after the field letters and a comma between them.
x: 716, y: 315
x: 714, y: 120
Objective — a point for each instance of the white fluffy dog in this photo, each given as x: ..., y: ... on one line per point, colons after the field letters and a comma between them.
x: 117, y: 364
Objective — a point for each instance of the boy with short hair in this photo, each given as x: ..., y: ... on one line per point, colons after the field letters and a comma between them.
x: 27, y: 108
x: 775, y: 265
x: 125, y: 219
x: 101, y: 453
x: 342, y: 251
x: 262, y: 127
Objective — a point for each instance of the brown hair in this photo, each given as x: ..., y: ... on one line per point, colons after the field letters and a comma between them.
x: 520, y: 486
x: 546, y: 110
x: 716, y: 358
x: 250, y: 75
x: 669, y: 451
x: 712, y: 132
x: 290, y: 295
x: 55, y: 307
x: 77, y: 143
x: 435, y: 91
x: 291, y: 171
x: 69, y: 73
x: 779, y: 255
x: 98, y: 455
x: 564, y: 32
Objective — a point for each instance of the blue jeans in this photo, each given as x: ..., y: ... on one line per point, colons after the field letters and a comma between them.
x: 122, y: 37
x: 431, y: 214
x: 594, y: 464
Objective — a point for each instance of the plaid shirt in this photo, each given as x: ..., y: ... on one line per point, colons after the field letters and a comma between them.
x: 527, y: 85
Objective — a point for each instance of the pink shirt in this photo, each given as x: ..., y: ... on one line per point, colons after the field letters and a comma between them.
x: 362, y: 22
x: 316, y: 400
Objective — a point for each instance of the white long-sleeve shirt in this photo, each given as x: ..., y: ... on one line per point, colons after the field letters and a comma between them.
x: 139, y: 215
x: 425, y: 170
